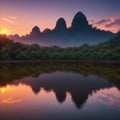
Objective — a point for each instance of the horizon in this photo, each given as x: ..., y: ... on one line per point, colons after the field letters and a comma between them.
x: 19, y: 17
x: 59, y: 59
x: 96, y: 27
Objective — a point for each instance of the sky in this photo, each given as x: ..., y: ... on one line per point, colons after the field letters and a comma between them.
x: 20, y: 16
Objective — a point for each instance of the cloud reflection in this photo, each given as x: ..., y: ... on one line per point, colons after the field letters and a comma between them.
x: 109, y: 96
x: 11, y: 100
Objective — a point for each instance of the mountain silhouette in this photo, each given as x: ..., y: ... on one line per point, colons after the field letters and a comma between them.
x: 60, y: 25
x: 35, y: 31
x: 80, y: 32
x: 80, y: 22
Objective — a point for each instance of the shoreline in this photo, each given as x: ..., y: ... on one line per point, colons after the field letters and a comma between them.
x: 60, y: 61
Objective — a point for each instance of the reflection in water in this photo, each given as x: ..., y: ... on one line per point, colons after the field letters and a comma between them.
x: 62, y: 82
x: 11, y: 100
x: 10, y: 72
x: 109, y: 97
x: 91, y: 85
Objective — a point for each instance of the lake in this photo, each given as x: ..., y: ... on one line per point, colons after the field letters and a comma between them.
x: 59, y: 91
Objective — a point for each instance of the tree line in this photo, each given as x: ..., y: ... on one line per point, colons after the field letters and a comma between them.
x: 109, y: 50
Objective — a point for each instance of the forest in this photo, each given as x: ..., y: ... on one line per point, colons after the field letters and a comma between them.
x: 109, y: 50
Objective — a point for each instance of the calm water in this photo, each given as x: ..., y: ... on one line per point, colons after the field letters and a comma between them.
x: 59, y: 91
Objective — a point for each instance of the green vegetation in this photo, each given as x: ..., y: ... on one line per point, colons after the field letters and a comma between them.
x: 10, y: 50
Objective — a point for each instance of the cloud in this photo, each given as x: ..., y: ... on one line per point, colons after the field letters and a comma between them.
x: 12, y: 17
x: 116, y: 22
x: 102, y: 21
x: 9, y: 19
x: 111, y: 24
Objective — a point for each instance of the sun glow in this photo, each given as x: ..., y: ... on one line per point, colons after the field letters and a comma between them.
x: 4, y: 89
x: 5, y: 31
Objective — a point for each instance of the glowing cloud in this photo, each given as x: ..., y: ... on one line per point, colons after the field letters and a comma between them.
x: 112, y: 24
x: 115, y: 22
x: 9, y: 19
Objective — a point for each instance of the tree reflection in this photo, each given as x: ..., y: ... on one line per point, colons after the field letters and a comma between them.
x: 54, y: 78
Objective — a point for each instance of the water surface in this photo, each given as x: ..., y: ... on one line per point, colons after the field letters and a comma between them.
x: 59, y: 91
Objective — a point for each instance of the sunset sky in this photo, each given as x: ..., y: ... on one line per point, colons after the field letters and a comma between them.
x: 19, y: 16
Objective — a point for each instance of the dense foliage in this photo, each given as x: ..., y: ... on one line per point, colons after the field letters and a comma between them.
x: 10, y: 50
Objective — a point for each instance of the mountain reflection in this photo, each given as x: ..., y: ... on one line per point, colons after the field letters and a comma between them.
x: 80, y: 80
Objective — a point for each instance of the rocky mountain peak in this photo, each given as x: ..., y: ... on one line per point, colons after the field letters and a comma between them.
x: 35, y: 30
x: 61, y: 24
x: 79, y: 21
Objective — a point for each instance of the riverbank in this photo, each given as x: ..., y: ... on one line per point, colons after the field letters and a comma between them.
x: 60, y: 61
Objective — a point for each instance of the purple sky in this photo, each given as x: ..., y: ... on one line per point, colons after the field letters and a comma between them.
x: 19, y: 16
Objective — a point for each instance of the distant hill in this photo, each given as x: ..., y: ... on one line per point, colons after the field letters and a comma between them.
x: 108, y: 50
x: 80, y: 32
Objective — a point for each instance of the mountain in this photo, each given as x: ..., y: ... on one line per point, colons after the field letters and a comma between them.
x: 35, y: 31
x: 80, y: 22
x: 60, y: 25
x: 80, y: 32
